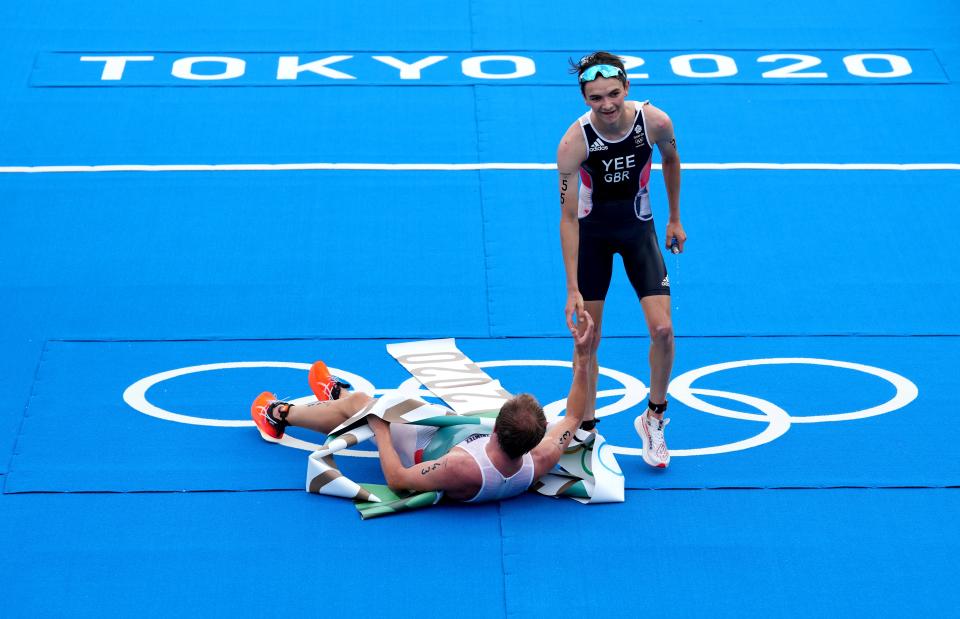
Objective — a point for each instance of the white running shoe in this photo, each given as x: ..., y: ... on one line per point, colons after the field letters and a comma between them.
x: 650, y: 429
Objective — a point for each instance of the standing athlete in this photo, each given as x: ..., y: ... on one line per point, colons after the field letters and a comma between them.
x: 609, y: 149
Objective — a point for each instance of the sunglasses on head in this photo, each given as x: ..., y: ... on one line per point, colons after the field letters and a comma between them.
x: 605, y: 70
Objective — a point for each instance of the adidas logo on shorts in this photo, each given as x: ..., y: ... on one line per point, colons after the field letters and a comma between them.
x: 666, y: 282
x: 598, y: 145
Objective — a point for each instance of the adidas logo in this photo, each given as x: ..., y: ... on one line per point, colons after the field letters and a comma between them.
x: 666, y: 282
x: 597, y: 145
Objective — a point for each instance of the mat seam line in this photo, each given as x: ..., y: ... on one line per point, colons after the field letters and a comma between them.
x: 313, y: 338
x: 949, y: 486
x: 23, y: 416
x: 155, y: 168
x: 483, y: 213
x: 503, y: 561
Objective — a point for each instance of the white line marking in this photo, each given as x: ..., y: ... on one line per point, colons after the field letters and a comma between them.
x: 452, y: 167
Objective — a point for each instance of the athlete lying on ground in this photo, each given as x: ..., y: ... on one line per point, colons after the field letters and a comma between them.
x: 482, y: 467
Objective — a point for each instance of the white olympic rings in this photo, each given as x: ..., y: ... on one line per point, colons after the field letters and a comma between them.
x: 632, y: 393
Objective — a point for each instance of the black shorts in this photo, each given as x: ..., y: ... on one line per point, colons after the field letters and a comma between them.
x: 636, y: 243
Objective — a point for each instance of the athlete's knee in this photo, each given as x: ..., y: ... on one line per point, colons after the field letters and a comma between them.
x: 358, y: 399
x: 596, y: 344
x: 662, y: 333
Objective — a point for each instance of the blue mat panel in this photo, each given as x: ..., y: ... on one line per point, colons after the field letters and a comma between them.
x: 725, y: 553
x: 86, y: 126
x: 234, y: 125
x: 211, y: 244
x: 18, y: 364
x: 805, y: 253
x: 214, y: 125
x: 278, y: 254
x: 209, y: 256
x: 830, y: 553
x: 183, y: 25
x: 434, y: 24
x: 164, y: 125
x: 506, y: 124
x: 712, y: 25
x: 215, y: 555
x: 79, y: 434
x: 764, y: 123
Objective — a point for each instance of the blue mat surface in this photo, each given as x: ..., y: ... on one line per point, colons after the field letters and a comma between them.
x: 188, y: 248
x: 283, y: 256
x: 80, y: 434
x: 837, y: 553
x: 730, y: 553
x: 188, y: 251
x: 214, y: 554
x: 783, y: 124
x: 234, y: 257
x: 18, y: 365
x: 794, y: 258
x: 872, y: 24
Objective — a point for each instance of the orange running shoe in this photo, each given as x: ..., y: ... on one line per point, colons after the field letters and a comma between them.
x: 270, y: 415
x: 325, y: 386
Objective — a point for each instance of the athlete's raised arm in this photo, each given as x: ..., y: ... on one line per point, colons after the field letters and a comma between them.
x: 548, y: 452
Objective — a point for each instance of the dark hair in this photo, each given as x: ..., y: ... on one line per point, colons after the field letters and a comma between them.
x: 594, y: 59
x: 521, y: 424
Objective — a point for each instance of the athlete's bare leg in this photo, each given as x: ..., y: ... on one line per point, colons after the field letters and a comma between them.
x: 595, y: 309
x: 327, y: 415
x: 656, y: 310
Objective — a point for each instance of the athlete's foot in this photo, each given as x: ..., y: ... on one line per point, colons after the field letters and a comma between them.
x: 270, y: 415
x: 650, y: 429
x: 324, y: 385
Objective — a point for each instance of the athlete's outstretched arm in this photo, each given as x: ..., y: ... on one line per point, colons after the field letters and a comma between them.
x: 570, y: 154
x: 548, y: 452
x: 661, y: 131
